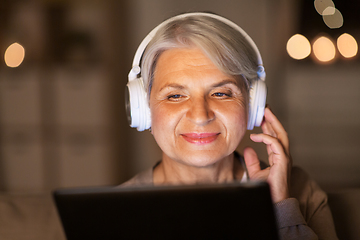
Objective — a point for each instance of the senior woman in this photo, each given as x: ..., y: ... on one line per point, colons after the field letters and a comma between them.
x: 196, y: 81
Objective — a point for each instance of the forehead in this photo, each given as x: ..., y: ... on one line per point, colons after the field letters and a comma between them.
x: 185, y: 62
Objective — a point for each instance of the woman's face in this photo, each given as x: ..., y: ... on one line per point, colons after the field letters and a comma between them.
x: 198, y: 113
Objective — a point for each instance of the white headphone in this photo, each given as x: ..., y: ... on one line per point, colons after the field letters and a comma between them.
x: 137, y: 106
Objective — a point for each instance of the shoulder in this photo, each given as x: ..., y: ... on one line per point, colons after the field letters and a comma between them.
x: 303, y: 186
x: 309, y: 194
x: 311, y: 198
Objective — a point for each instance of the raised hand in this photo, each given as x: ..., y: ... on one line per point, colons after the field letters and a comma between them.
x: 277, y: 144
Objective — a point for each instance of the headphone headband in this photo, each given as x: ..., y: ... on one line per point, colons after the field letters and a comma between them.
x: 140, y: 50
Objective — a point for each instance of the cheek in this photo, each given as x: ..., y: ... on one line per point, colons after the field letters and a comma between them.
x: 235, y: 120
x: 163, y: 120
x: 234, y: 111
x: 239, y: 120
x: 158, y: 117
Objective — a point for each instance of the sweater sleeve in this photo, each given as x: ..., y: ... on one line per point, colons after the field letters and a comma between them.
x: 306, y: 215
x: 290, y: 221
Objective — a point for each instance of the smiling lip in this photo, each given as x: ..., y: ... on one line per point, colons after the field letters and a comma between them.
x: 200, y: 138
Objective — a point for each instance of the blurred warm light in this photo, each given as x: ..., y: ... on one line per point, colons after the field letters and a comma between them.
x: 334, y: 20
x: 329, y: 11
x: 324, y: 49
x: 14, y: 55
x: 347, y: 45
x: 321, y: 5
x: 298, y: 47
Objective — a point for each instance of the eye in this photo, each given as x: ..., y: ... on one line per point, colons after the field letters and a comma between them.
x: 175, y: 97
x: 221, y: 95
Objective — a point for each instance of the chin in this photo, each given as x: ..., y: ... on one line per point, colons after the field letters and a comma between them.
x: 201, y: 160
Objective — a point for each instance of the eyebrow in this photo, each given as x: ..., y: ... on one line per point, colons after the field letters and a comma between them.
x: 172, y: 85
x: 225, y: 82
x: 219, y: 84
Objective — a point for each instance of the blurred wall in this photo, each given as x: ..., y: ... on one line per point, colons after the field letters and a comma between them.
x: 62, y: 117
x: 61, y: 120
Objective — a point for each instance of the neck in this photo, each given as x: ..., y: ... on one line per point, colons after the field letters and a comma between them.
x: 176, y: 173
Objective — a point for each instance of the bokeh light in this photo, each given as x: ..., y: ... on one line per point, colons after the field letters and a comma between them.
x: 298, y: 47
x: 334, y: 20
x: 321, y: 5
x: 14, y: 55
x: 347, y: 45
x: 324, y: 49
x: 329, y: 11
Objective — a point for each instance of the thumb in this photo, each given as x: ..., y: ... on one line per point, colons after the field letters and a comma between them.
x: 251, y: 161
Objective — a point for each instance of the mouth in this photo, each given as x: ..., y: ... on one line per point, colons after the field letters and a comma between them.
x: 200, y: 138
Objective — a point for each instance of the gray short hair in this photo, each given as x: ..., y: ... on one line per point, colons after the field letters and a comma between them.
x: 225, y: 46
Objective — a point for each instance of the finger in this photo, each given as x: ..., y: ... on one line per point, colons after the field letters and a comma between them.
x: 267, y: 128
x: 273, y: 125
x: 251, y: 161
x: 270, y: 117
x: 273, y: 144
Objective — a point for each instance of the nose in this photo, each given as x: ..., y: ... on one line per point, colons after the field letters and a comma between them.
x: 199, y: 111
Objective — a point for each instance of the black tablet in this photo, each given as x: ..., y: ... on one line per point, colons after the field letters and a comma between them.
x: 221, y: 211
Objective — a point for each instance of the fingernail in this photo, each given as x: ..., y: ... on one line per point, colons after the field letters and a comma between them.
x: 253, y: 135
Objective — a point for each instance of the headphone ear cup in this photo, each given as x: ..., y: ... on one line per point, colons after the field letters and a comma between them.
x: 137, y: 107
x: 257, y: 101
